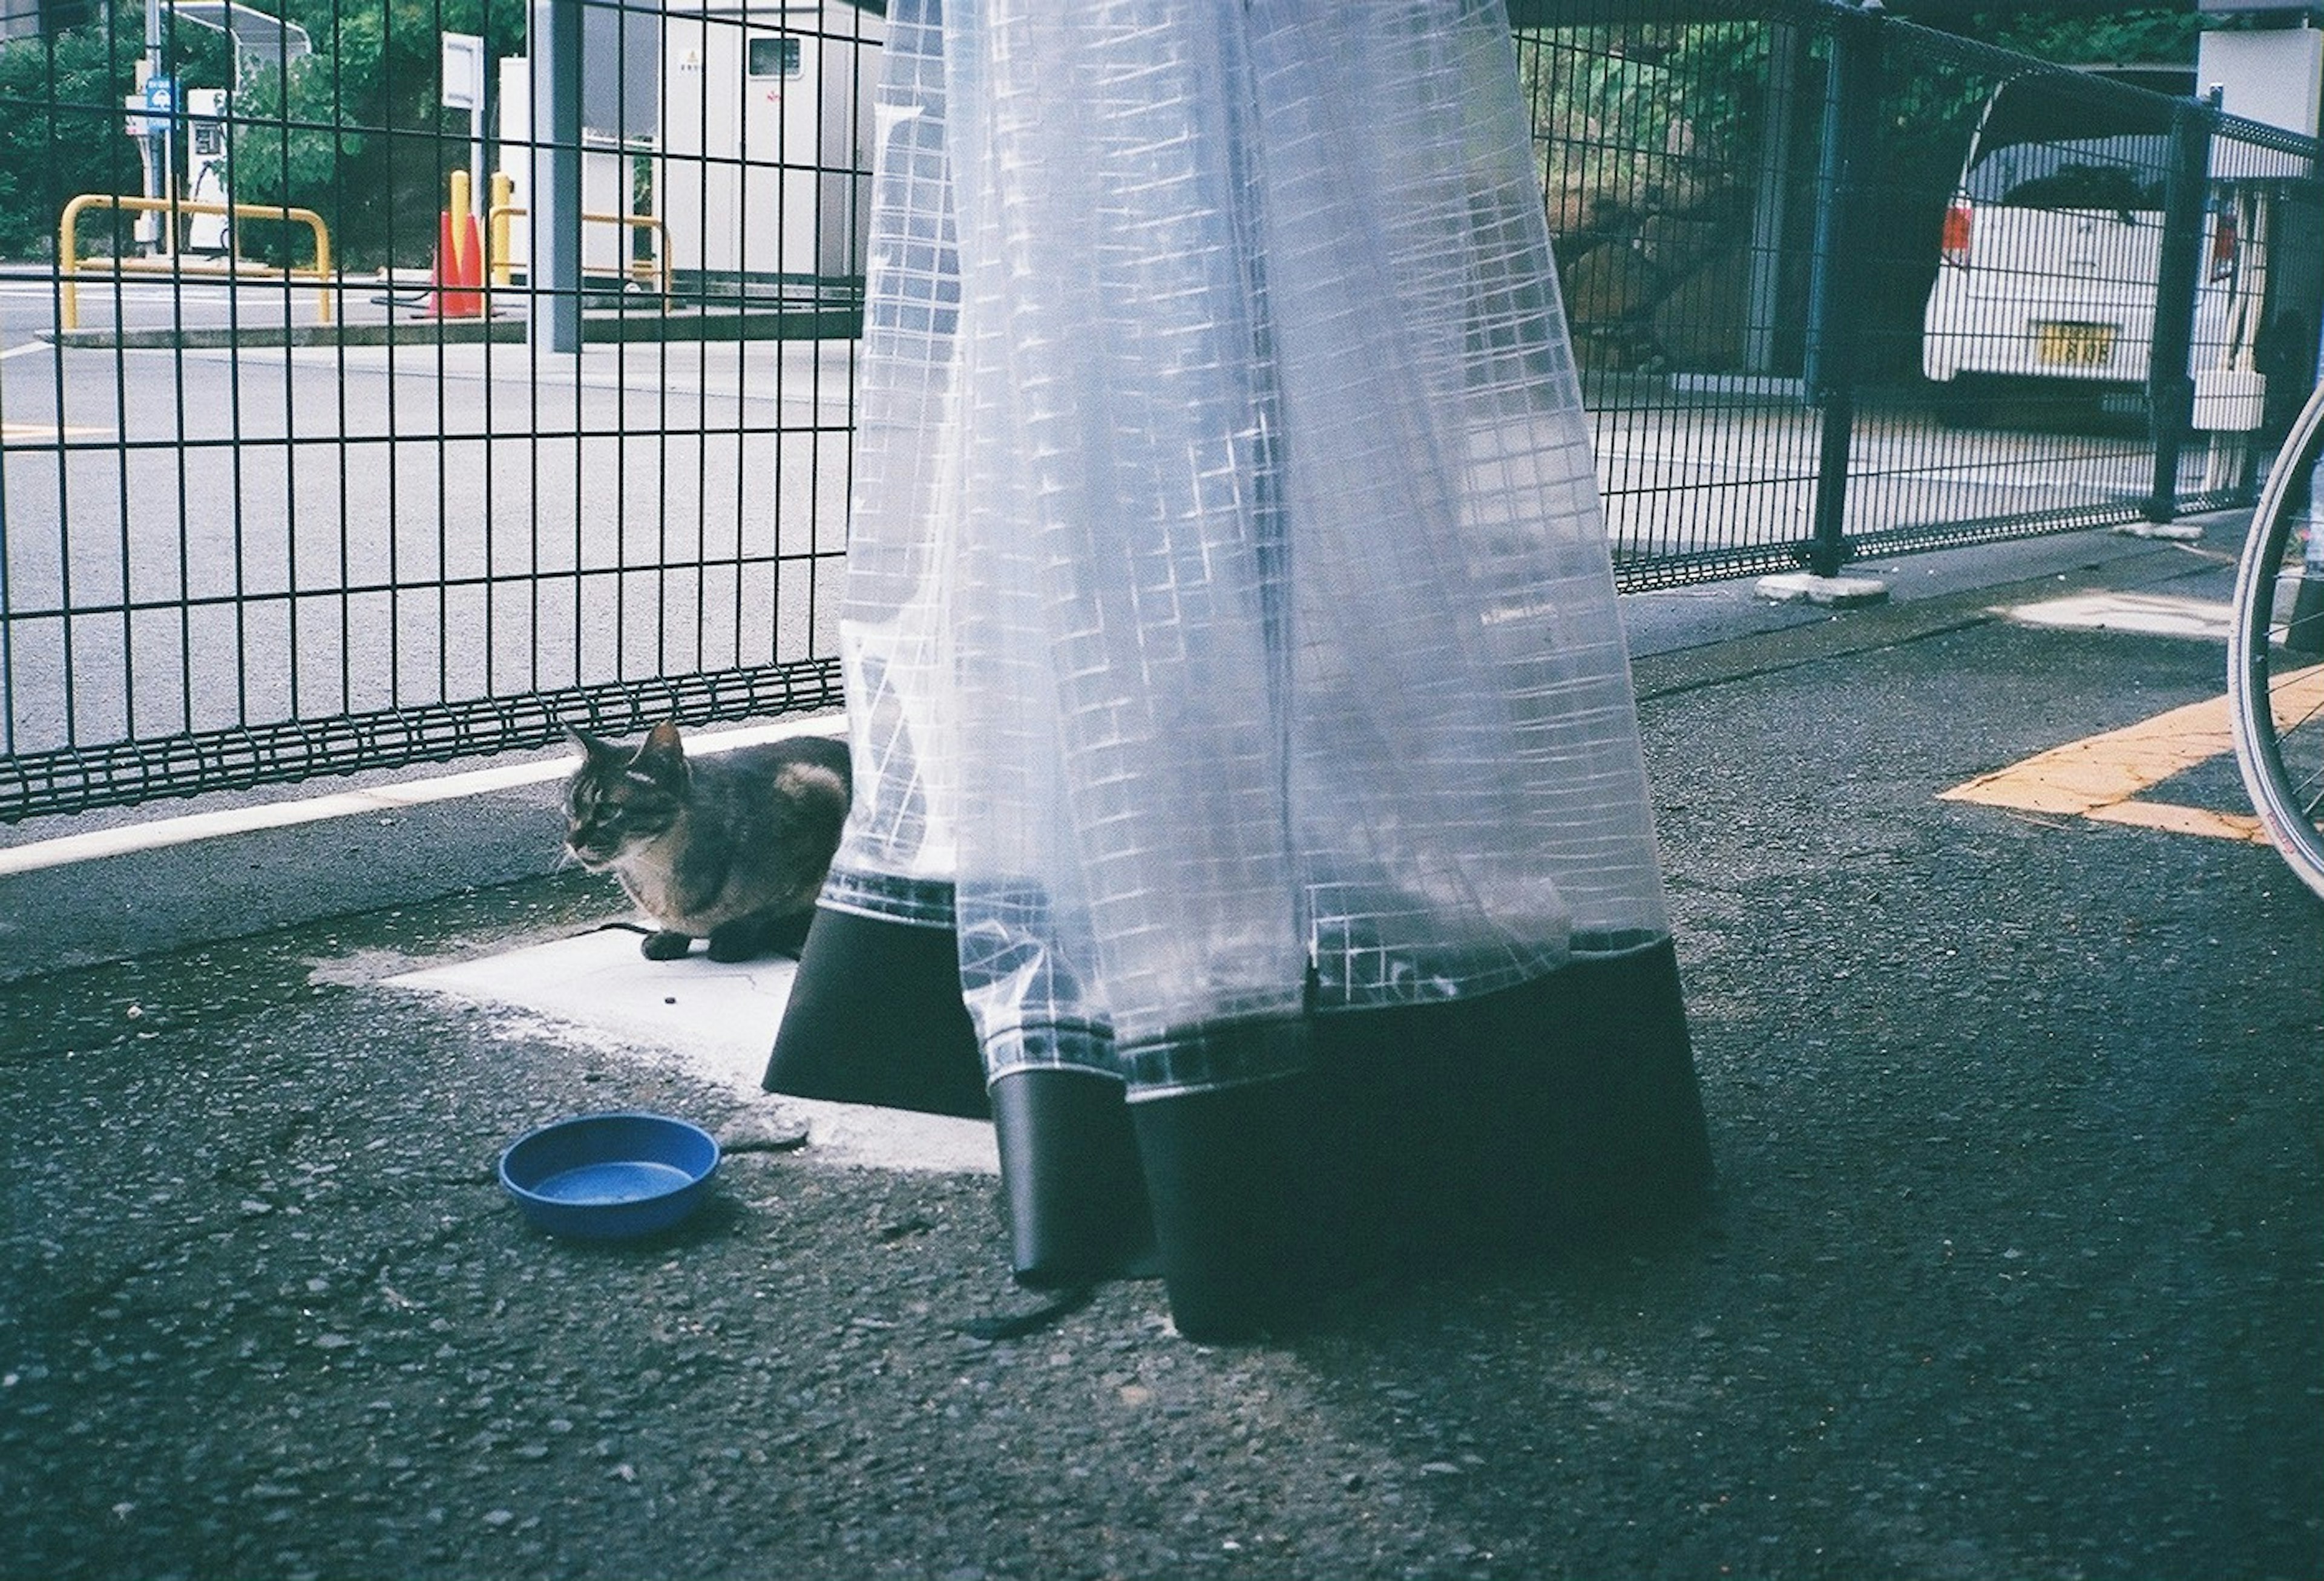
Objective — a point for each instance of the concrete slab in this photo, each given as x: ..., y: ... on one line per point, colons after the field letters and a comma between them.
x: 1836, y: 593
x: 716, y: 1019
x: 2172, y: 532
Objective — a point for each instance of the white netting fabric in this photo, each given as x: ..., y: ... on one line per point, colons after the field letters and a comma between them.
x: 1230, y: 624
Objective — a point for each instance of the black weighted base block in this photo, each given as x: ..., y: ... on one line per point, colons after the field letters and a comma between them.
x: 1562, y: 1110
x: 1069, y: 1167
x: 1557, y: 1113
x: 1238, y: 1229
x: 875, y: 1017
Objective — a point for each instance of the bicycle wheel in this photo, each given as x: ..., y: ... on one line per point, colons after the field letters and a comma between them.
x: 2275, y: 667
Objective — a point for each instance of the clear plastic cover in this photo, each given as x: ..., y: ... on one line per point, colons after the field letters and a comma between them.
x: 1229, y: 631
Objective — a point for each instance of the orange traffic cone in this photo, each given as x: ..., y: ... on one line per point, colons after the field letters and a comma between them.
x: 459, y: 275
x: 440, y: 275
x: 470, y: 253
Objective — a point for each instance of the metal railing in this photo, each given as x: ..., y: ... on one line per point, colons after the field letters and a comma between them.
x: 233, y: 552
x: 658, y: 270
x: 226, y: 270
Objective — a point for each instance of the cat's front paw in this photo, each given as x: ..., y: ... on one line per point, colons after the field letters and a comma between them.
x: 736, y: 942
x: 665, y: 945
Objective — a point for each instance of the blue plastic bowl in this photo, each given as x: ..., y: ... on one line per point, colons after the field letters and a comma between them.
x: 612, y: 1176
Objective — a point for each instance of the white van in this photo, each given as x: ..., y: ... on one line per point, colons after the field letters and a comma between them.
x: 2052, y: 241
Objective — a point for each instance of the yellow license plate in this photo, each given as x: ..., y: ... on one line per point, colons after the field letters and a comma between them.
x: 2074, y: 346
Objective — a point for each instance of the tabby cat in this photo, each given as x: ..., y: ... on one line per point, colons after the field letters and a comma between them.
x: 733, y: 845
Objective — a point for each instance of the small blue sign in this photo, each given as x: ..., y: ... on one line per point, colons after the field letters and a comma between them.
x: 161, y: 96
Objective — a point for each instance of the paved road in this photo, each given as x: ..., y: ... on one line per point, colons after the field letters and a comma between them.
x: 251, y: 534
x: 2014, y: 1270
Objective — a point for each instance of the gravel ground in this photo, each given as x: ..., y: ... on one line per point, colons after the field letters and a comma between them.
x: 2015, y: 1269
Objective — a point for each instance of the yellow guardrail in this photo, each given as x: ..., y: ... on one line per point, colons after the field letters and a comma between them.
x: 69, y: 263
x: 502, y: 272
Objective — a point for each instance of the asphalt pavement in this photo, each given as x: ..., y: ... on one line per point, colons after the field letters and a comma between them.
x: 2015, y: 1267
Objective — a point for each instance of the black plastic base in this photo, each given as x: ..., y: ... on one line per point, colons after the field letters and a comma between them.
x: 1069, y: 1170
x: 1560, y: 1111
x: 875, y: 1016
x: 1555, y: 1113
x: 1245, y: 1241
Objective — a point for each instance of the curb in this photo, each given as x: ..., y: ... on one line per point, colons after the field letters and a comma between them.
x: 132, y: 889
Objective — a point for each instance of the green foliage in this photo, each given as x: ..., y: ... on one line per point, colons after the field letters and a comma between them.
x: 2136, y: 38
x: 1624, y: 113
x: 355, y: 131
x: 60, y: 134
x: 1663, y: 144
x: 1625, y: 109
x: 61, y: 128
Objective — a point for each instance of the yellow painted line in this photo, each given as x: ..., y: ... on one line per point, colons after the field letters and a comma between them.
x: 2173, y: 819
x: 2101, y: 777
x: 2099, y: 771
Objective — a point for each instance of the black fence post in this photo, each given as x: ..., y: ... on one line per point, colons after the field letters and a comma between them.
x: 1848, y: 136
x: 2170, y: 387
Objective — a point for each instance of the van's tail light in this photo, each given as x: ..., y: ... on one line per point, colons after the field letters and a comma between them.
x: 2223, y: 242
x: 1954, y: 245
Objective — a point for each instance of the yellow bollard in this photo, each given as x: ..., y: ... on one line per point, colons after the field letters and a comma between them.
x: 504, y: 193
x: 68, y: 261
x: 462, y: 207
x: 322, y: 267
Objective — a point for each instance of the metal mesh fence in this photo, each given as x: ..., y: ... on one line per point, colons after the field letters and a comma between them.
x: 1845, y: 285
x: 449, y: 494
x: 314, y: 462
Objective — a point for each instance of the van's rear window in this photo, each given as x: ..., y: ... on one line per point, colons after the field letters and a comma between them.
x: 2089, y: 172
x: 2044, y: 146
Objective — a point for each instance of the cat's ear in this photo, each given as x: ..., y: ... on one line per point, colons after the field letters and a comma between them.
x: 662, y: 755
x: 591, y: 747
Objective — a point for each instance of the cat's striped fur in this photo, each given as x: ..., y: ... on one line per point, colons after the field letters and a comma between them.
x: 732, y: 846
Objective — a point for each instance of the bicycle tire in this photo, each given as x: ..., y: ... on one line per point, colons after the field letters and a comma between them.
x: 2275, y: 667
